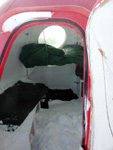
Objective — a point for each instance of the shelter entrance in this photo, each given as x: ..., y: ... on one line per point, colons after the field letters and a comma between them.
x: 45, y: 63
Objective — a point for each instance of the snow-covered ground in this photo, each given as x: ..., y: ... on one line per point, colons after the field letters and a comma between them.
x: 57, y: 128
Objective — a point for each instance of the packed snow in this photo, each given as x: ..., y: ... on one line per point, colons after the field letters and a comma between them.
x: 57, y: 128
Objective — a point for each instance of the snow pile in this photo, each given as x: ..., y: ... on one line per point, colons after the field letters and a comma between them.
x: 65, y: 76
x: 19, y: 139
x: 59, y: 127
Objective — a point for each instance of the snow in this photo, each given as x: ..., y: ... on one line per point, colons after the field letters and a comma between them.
x: 19, y: 139
x: 57, y: 128
x: 65, y: 75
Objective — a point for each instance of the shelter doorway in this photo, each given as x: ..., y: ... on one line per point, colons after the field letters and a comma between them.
x: 61, y: 76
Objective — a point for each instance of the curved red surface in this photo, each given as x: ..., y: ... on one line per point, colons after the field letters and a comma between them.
x: 76, y: 11
x: 65, y: 12
x: 12, y: 4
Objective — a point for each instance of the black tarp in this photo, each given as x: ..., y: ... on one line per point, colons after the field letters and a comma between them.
x: 19, y: 100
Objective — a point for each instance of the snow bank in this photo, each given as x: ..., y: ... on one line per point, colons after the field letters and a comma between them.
x: 59, y: 127
x: 56, y: 77
x: 18, y: 140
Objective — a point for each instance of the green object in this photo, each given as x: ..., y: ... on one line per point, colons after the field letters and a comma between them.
x: 42, y: 55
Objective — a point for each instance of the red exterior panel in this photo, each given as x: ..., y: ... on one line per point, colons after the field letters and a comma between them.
x: 76, y: 11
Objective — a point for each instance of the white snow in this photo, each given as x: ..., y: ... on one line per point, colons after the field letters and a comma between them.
x: 19, y: 139
x: 57, y: 128
x: 65, y: 76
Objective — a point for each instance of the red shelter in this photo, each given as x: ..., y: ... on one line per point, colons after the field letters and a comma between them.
x: 70, y: 13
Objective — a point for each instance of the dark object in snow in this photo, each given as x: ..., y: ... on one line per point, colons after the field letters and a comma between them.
x: 64, y: 95
x: 44, y: 103
x: 18, y: 101
x: 11, y: 128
